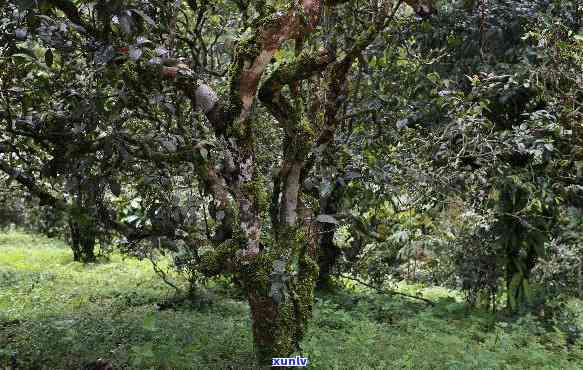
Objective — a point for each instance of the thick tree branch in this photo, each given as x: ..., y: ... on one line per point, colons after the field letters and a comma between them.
x: 203, y: 97
x: 250, y: 61
x: 255, y: 53
x: 46, y: 198
x: 295, y: 124
x: 305, y: 66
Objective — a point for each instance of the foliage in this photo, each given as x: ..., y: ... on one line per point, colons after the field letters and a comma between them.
x: 278, y: 144
x: 560, y: 273
x: 480, y: 109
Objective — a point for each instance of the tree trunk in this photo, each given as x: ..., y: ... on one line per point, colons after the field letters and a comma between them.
x: 327, y: 257
x: 281, y: 303
x: 88, y: 244
x: 74, y: 231
x: 512, y: 296
x: 328, y: 251
x: 82, y: 241
x: 274, y: 327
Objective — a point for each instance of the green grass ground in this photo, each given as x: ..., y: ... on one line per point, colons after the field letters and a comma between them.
x: 59, y: 314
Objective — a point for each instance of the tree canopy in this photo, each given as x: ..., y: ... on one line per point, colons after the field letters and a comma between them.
x: 283, y: 143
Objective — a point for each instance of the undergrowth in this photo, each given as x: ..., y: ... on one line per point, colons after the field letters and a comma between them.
x: 60, y: 314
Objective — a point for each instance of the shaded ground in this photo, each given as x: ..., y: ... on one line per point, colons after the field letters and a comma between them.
x: 59, y: 314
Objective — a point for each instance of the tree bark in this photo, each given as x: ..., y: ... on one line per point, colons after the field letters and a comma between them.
x: 280, y: 313
x: 82, y: 241
x: 328, y: 250
x: 327, y: 257
x: 83, y: 227
x: 279, y: 278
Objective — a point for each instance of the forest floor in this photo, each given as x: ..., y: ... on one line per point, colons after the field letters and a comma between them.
x: 59, y: 314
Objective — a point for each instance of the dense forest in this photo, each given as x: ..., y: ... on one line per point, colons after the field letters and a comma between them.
x: 229, y: 184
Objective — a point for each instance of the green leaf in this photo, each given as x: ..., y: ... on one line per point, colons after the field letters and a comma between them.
x: 203, y: 153
x: 24, y: 56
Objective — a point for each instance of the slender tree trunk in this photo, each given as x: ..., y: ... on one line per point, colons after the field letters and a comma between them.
x: 82, y: 241
x: 75, y: 240
x: 327, y: 257
x: 328, y: 250
x: 512, y: 256
x: 580, y: 278
x: 516, y: 291
x: 88, y: 237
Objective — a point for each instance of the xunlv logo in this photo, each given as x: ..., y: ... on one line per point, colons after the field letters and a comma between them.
x: 290, y: 361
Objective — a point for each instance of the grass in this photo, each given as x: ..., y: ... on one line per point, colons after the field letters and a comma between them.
x: 59, y: 314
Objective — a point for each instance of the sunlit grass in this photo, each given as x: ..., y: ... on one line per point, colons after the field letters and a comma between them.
x: 60, y: 314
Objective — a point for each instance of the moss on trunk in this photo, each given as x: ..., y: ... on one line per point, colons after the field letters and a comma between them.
x: 279, y: 321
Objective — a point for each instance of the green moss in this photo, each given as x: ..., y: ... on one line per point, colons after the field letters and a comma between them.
x: 213, y: 263
x: 255, y: 273
x: 306, y: 132
x: 246, y: 51
x: 287, y: 338
x: 267, y: 20
x: 299, y: 141
x: 255, y: 189
x: 283, y: 322
x: 129, y: 72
